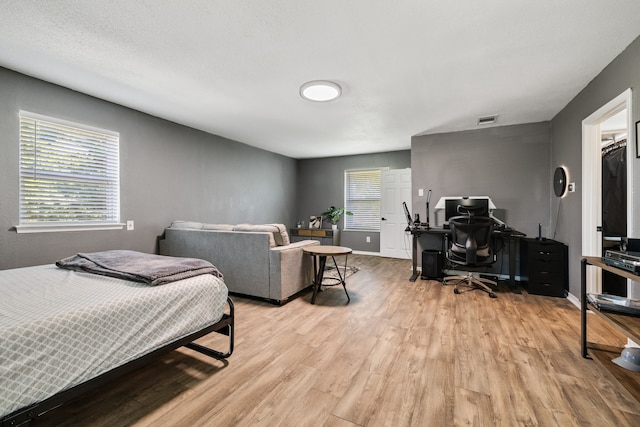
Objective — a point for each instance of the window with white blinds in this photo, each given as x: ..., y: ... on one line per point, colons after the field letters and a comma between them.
x: 69, y: 176
x: 362, y: 191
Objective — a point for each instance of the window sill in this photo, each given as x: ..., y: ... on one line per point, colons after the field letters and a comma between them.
x: 50, y: 228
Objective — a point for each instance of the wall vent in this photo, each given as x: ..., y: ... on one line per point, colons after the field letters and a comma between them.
x: 487, y: 120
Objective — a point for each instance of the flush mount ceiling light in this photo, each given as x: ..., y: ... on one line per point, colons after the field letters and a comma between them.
x: 320, y: 90
x: 487, y: 120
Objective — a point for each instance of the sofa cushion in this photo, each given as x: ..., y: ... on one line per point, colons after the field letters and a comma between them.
x: 284, y: 236
x: 222, y: 227
x: 263, y: 228
x: 187, y: 224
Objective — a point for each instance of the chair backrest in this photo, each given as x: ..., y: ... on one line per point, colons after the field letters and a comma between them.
x: 470, y: 240
x: 471, y: 210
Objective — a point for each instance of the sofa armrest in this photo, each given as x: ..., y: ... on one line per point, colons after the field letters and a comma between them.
x: 294, y: 245
x: 291, y: 270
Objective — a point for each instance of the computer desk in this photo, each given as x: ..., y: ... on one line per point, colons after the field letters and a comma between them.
x: 508, y: 234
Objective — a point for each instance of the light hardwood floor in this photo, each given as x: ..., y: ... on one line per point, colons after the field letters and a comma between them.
x: 399, y: 354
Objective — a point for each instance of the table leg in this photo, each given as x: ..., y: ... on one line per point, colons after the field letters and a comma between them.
x: 583, y: 308
x: 414, y: 275
x: 343, y: 276
x: 512, y: 264
x: 511, y: 249
x: 319, y: 263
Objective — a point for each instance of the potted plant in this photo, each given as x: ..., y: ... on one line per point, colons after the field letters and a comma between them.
x: 333, y: 214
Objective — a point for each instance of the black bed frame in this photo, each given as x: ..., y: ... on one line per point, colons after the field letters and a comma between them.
x: 224, y: 326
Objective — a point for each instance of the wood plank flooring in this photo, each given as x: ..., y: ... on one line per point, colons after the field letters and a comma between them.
x: 400, y: 354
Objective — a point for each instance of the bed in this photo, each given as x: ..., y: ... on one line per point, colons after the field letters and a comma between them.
x: 65, y: 331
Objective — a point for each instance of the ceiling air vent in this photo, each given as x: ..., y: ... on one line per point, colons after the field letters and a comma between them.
x: 487, y: 120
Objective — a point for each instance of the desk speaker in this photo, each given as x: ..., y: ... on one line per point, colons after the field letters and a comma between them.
x: 432, y: 264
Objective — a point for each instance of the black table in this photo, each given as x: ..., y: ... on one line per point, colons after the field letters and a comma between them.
x: 511, y: 236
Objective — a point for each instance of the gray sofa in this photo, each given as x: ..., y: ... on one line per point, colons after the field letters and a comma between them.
x: 256, y: 260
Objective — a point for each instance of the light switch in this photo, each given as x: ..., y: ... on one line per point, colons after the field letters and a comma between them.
x: 130, y: 225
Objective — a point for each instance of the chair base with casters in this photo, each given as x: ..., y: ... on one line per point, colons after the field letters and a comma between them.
x: 471, y: 281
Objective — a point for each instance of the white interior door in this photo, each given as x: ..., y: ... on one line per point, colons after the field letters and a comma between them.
x: 592, y: 183
x: 396, y: 188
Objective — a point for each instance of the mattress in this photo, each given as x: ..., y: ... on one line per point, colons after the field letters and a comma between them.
x: 60, y: 328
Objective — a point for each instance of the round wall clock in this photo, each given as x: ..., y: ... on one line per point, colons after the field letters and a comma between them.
x: 559, y: 181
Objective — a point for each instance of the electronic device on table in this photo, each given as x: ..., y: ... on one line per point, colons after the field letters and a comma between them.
x: 414, y: 223
x: 628, y: 261
x: 408, y: 215
x: 615, y: 304
x: 450, y: 206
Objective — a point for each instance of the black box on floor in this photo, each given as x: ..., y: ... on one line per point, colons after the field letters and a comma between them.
x: 432, y: 264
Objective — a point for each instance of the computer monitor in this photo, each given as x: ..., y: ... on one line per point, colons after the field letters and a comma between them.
x: 451, y: 206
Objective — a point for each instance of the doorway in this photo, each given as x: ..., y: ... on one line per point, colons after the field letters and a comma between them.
x: 592, y: 238
x: 613, y: 134
x: 396, y: 188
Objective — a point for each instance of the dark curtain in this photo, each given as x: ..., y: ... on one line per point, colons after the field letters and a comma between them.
x: 614, y: 189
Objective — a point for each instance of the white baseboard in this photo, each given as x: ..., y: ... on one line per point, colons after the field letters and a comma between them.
x: 366, y: 253
x: 377, y: 254
x: 575, y: 301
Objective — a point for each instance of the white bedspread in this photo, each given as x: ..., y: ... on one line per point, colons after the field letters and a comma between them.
x: 59, y: 328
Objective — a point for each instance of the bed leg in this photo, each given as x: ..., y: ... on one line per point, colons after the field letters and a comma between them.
x: 226, y: 330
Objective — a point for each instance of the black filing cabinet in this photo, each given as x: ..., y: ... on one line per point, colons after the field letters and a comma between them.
x: 543, y: 264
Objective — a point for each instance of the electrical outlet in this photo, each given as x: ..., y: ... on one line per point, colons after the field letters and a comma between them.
x: 368, y: 239
x: 130, y: 225
x: 421, y: 192
x: 572, y: 187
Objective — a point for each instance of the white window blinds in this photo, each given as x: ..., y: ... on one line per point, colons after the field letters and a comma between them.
x: 362, y: 197
x: 69, y: 173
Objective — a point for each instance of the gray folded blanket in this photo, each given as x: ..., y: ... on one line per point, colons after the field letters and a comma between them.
x: 140, y: 267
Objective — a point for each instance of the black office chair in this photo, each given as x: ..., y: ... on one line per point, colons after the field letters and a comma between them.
x: 469, y: 245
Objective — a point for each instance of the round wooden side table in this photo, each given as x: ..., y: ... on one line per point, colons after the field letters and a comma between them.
x: 320, y: 254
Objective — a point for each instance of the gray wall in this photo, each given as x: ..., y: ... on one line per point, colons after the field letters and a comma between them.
x: 510, y: 164
x: 621, y: 74
x: 168, y: 172
x: 321, y: 184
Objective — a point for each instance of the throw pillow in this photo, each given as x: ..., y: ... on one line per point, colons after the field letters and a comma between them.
x: 269, y: 228
x: 284, y: 236
x: 219, y: 227
x: 187, y: 224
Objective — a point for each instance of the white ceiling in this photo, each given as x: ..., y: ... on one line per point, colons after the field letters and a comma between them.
x: 233, y: 68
